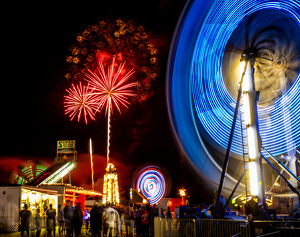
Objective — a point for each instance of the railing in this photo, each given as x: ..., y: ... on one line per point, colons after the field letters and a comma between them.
x: 275, y: 228
x: 199, y: 227
x: 183, y: 227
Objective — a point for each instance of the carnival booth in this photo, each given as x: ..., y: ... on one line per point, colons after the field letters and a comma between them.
x: 73, y: 194
x: 45, y: 188
x: 13, y: 199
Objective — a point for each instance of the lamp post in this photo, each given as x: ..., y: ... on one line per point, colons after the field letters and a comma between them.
x: 182, y: 194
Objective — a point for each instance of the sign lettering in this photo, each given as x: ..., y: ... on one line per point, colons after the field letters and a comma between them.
x: 65, y: 144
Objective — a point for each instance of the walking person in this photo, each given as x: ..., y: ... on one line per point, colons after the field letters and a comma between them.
x: 219, y: 208
x: 68, y: 214
x: 86, y: 218
x: 77, y: 219
x: 38, y: 222
x: 169, y: 219
x: 132, y: 220
x: 177, y: 213
x: 61, y: 220
x: 26, y: 217
x: 138, y: 221
x: 121, y: 224
x: 144, y: 218
x: 151, y: 220
x: 96, y: 219
x: 111, y: 220
x: 51, y: 214
x: 127, y: 220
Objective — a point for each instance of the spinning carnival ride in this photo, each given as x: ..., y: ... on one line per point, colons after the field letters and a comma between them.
x: 152, y: 184
x: 219, y: 108
x: 28, y: 171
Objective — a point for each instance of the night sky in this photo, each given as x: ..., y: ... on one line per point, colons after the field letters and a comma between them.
x: 36, y: 42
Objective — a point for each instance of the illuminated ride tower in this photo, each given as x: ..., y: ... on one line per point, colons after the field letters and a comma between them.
x: 110, y: 181
x: 110, y: 185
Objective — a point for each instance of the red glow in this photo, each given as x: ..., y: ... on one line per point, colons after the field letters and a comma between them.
x: 102, y: 56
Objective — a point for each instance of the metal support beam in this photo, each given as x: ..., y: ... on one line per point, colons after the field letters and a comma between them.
x: 233, y: 191
x: 225, y: 164
x: 282, y: 165
x: 282, y: 176
x: 277, y: 178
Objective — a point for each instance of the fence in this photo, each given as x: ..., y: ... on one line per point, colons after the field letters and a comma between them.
x: 8, y: 224
x: 223, y: 228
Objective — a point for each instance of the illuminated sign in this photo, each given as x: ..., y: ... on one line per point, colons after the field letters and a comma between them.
x: 65, y: 147
x: 65, y: 144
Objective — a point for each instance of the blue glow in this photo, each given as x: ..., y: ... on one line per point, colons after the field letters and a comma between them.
x: 197, y: 97
x: 214, y: 105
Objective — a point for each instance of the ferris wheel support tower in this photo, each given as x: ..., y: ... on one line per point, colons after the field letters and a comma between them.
x: 250, y: 97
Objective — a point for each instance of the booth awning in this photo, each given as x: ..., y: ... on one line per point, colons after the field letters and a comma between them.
x: 137, y: 197
x: 42, y: 190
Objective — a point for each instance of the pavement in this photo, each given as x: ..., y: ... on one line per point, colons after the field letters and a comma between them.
x: 43, y: 233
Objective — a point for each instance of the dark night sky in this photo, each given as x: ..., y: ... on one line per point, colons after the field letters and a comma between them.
x: 36, y: 43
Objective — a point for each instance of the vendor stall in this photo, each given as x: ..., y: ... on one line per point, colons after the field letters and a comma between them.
x: 13, y: 198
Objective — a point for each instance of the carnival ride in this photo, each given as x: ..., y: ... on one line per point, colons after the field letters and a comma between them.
x: 250, y: 116
x: 43, y: 175
x: 65, y: 161
x: 40, y: 172
x: 152, y: 184
x: 27, y: 171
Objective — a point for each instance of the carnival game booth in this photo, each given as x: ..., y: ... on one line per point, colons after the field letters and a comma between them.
x: 72, y: 193
x: 13, y: 198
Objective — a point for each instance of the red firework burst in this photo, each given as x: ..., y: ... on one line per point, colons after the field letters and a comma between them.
x: 110, y: 89
x: 80, y: 100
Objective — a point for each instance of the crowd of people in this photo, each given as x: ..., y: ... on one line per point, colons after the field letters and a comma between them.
x: 101, y: 221
x: 69, y: 220
x: 108, y: 221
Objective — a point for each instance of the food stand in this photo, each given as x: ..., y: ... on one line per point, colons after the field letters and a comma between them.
x: 13, y: 198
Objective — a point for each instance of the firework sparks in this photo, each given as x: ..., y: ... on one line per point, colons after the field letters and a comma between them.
x: 111, y: 90
x: 80, y: 100
x: 92, y: 164
x: 119, y: 39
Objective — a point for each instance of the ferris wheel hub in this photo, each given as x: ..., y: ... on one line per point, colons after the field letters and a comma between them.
x: 280, y: 63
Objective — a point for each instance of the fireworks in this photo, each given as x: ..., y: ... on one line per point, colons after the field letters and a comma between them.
x: 105, y: 90
x: 111, y: 89
x: 80, y: 100
x: 120, y: 40
x: 92, y: 164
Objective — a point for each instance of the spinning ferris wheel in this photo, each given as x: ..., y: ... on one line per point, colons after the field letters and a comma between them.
x: 216, y: 103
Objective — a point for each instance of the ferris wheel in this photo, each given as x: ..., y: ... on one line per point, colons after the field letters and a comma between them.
x: 206, y: 95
